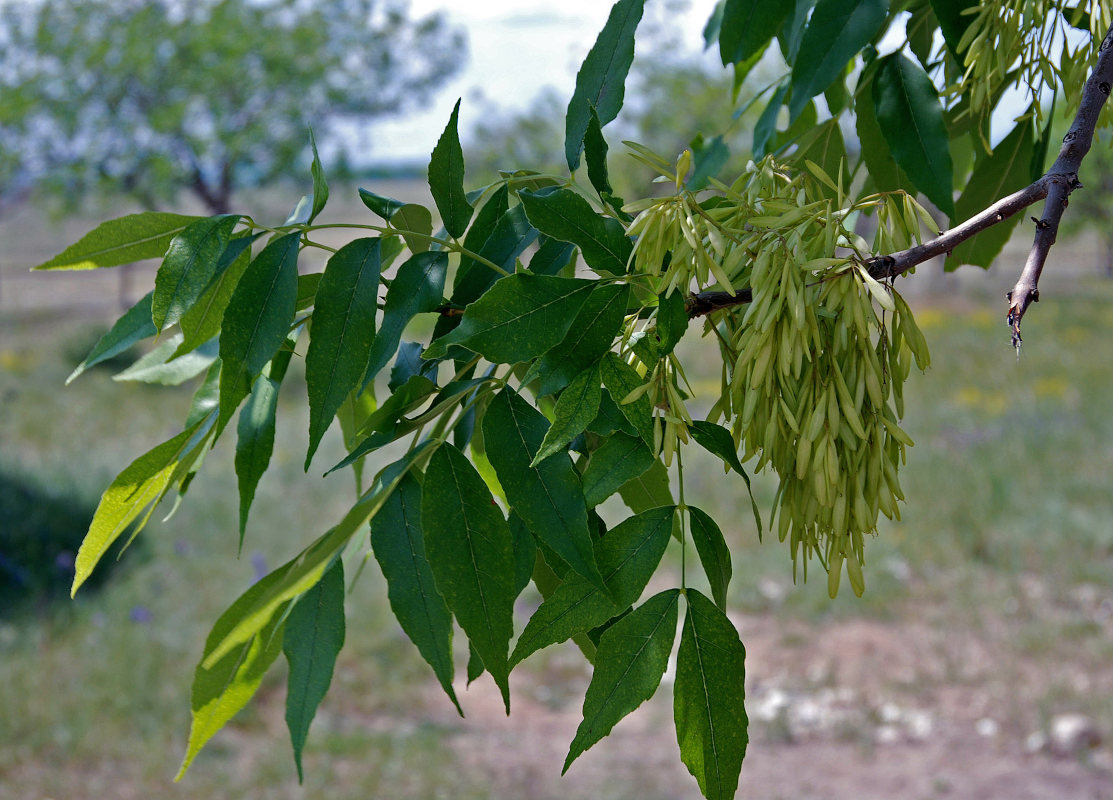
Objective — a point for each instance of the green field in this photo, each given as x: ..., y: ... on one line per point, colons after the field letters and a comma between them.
x: 991, y: 599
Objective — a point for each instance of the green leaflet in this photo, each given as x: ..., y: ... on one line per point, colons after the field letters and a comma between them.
x: 824, y: 146
x: 627, y: 555
x: 384, y: 207
x: 122, y: 241
x: 880, y: 164
x: 134, y: 326
x: 224, y: 687
x: 595, y: 154
x: 708, y: 158
x: 341, y: 333
x: 416, y: 224
x: 672, y: 321
x: 399, y: 546
x: 161, y: 367
x: 565, y: 215
x: 591, y: 335
x: 911, y: 119
x: 140, y: 486
x: 717, y: 440
x: 747, y: 26
x: 418, y: 287
x: 620, y: 459
x: 600, y: 83
x: 837, y: 30
x: 202, y: 321
x: 631, y: 660
x: 999, y: 174
x: 191, y: 262
x: 621, y: 379
x: 576, y: 407
x: 952, y: 22
x: 257, y: 320
x: 547, y: 496
x: 256, y: 427
x: 766, y: 124
x: 551, y: 257
x: 320, y: 193
x: 713, y: 552
x: 446, y: 178
x: 468, y: 544
x: 518, y: 318
x: 709, y: 698
x: 648, y: 490
x: 313, y: 637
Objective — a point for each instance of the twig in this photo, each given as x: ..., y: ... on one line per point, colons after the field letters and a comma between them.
x: 1055, y: 186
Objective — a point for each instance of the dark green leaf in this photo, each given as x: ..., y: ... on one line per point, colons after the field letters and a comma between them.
x: 257, y: 320
x: 191, y: 262
x: 620, y: 459
x: 747, y: 26
x: 713, y: 552
x: 837, y: 30
x: 203, y: 320
x: 591, y: 335
x: 714, y: 25
x: 709, y: 698
x: 547, y: 496
x: 708, y: 158
x: 672, y: 321
x: 140, y: 486
x: 122, y: 241
x: 320, y: 197
x: 416, y: 224
x: 341, y: 334
x: 595, y: 154
x: 417, y: 288
x: 518, y: 319
x: 600, y: 83
x: 792, y: 32
x: 880, y: 164
x: 134, y: 326
x: 621, y: 379
x: 717, y: 440
x: 1006, y: 170
x: 224, y: 687
x: 824, y: 146
x: 161, y: 367
x: 446, y: 178
x: 648, y: 490
x: 576, y: 407
x: 766, y: 124
x: 313, y: 637
x: 632, y: 657
x: 525, y: 553
x: 384, y: 207
x: 911, y: 119
x: 953, y: 22
x: 565, y: 215
x: 627, y: 555
x: 551, y: 257
x: 471, y: 554
x: 610, y: 419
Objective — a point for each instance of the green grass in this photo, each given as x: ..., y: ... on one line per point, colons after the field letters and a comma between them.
x: 1007, y: 520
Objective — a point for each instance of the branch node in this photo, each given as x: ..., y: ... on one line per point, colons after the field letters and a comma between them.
x: 1041, y: 224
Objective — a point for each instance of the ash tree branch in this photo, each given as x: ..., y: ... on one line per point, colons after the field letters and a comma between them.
x: 1054, y: 187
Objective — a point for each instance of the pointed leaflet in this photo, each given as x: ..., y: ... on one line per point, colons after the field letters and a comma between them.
x: 709, y: 698
x: 649, y: 490
x: 225, y: 686
x: 202, y: 321
x: 122, y: 241
x: 341, y: 332
x: 320, y: 186
x: 576, y: 407
x: 747, y: 26
x: 620, y: 459
x: 953, y: 22
x: 567, y: 216
x: 385, y: 207
x: 600, y: 83
x: 621, y: 379
x: 717, y: 440
x: 446, y: 178
x: 313, y: 637
x: 134, y: 326
x: 627, y: 555
x: 161, y: 367
x: 191, y: 262
x: 837, y: 30
x: 399, y: 547
x: 591, y: 335
x: 518, y: 319
x: 713, y: 552
x: 255, y: 429
x: 632, y: 657
x: 879, y: 161
x: 471, y: 554
x: 595, y: 153
x: 141, y: 485
x: 551, y: 257
x: 999, y: 174
x: 708, y: 158
x: 257, y: 319
x: 418, y: 287
x: 548, y: 496
x: 911, y: 119
x: 766, y: 124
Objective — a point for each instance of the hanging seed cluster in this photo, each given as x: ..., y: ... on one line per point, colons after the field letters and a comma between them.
x: 815, y: 363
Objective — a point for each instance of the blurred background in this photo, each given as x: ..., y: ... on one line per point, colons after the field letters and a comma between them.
x: 977, y: 664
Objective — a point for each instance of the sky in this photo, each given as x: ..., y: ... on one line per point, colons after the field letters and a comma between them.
x: 516, y: 48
